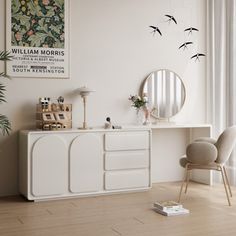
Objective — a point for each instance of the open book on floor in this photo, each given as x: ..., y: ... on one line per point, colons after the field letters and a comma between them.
x: 170, y: 208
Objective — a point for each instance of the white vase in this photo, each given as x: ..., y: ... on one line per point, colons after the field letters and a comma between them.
x: 146, y: 116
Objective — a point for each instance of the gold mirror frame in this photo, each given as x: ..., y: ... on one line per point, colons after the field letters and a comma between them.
x: 165, y: 93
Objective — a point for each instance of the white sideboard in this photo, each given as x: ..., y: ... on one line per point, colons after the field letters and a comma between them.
x: 59, y: 164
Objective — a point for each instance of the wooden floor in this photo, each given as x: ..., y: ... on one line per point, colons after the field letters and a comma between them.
x: 123, y: 214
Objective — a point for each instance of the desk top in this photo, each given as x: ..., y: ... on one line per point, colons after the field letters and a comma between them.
x: 177, y: 125
x: 125, y: 128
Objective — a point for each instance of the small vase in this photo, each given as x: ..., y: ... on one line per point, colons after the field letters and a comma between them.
x: 147, y: 117
x: 139, y: 116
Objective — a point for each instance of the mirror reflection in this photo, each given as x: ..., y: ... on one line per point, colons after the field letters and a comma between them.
x: 165, y: 93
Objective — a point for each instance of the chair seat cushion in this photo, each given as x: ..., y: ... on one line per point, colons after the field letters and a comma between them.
x: 212, y: 166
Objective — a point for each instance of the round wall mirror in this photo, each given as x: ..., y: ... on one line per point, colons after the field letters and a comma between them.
x: 165, y: 93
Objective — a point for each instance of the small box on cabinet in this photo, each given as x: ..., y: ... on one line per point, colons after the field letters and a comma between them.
x: 56, y: 117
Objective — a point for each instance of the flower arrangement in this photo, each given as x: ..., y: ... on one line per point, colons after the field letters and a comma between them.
x: 137, y: 101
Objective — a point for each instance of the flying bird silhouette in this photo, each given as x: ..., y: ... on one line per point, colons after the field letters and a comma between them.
x: 190, y: 30
x: 197, y: 56
x: 171, y: 18
x: 185, y: 45
x: 155, y: 29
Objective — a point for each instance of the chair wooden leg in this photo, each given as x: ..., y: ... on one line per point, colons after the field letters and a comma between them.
x: 184, y: 179
x: 227, y: 181
x: 226, y: 191
x: 187, y: 181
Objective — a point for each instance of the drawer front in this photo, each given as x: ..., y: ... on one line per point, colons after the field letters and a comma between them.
x: 127, y: 141
x: 127, y: 160
x: 119, y: 180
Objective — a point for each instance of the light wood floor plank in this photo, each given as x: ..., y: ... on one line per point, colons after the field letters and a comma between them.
x: 122, y: 215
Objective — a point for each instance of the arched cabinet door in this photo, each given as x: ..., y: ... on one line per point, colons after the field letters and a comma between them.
x: 86, y: 164
x: 49, y: 166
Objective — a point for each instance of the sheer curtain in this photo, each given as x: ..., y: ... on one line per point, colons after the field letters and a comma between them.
x: 222, y: 69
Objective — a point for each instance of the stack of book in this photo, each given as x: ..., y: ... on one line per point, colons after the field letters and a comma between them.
x: 170, y: 208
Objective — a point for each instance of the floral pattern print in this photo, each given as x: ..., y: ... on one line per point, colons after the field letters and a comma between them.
x: 38, y: 23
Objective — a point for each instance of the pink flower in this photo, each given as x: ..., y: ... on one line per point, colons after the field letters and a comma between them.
x: 18, y: 36
x: 46, y: 2
x: 30, y: 32
x: 45, y: 45
x: 33, y: 21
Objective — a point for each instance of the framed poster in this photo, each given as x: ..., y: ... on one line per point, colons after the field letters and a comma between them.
x: 37, y: 37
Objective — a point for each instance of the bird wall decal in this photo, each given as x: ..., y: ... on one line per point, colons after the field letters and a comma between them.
x: 190, y: 30
x: 171, y: 18
x: 185, y: 45
x: 196, y: 56
x: 155, y: 29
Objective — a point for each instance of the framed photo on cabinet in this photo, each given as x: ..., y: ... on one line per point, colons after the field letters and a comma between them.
x: 48, y: 117
x: 61, y: 116
x: 37, y: 36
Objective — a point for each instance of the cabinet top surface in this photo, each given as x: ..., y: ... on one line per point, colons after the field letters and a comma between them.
x: 124, y: 128
x: 93, y: 130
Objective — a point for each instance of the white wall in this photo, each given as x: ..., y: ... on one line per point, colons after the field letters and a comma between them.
x: 112, y: 51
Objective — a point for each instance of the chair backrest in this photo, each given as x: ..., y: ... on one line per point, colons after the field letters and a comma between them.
x: 225, y: 144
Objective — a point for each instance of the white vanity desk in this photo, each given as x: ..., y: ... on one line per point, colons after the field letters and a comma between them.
x: 59, y: 164
x: 169, y: 142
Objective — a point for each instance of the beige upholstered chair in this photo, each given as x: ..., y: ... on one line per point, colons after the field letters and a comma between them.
x: 209, y: 154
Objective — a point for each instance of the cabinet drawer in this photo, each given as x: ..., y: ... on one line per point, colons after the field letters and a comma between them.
x: 127, y: 141
x: 127, y: 160
x: 126, y: 179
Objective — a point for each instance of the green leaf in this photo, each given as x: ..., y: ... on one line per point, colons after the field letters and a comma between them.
x: 3, y: 74
x: 2, y: 93
x: 5, y: 56
x: 5, y: 125
x: 13, y: 39
x: 50, y: 12
x: 60, y: 3
x: 24, y: 20
x: 15, y: 6
x: 58, y: 44
x: 21, y: 44
x: 50, y: 34
x: 37, y: 39
x: 38, y: 10
x: 32, y: 8
x: 43, y: 25
x: 55, y: 28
